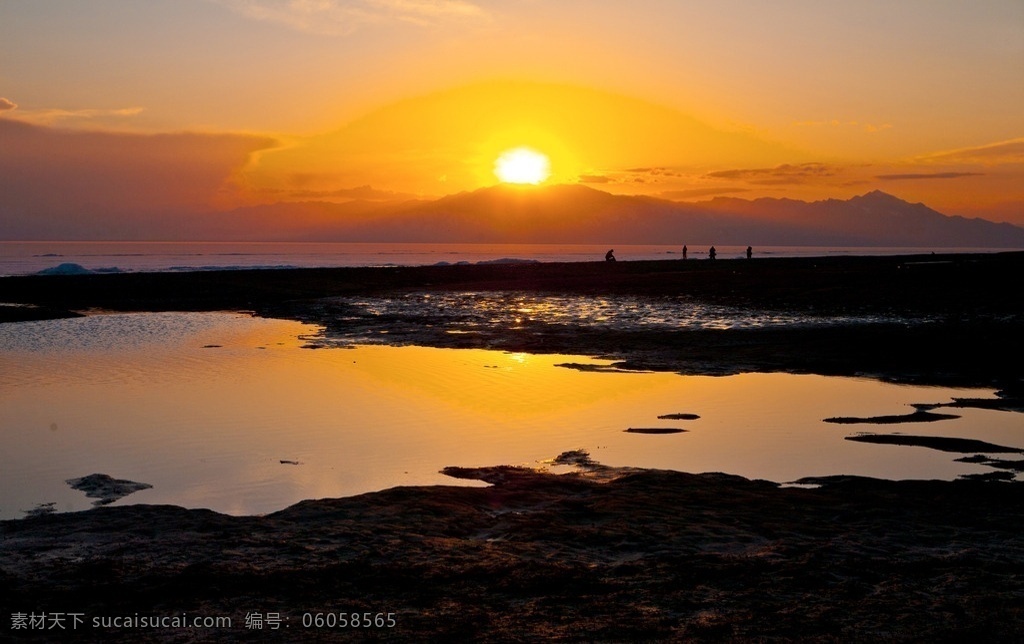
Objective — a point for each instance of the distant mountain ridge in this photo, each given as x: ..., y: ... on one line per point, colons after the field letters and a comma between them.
x: 579, y: 214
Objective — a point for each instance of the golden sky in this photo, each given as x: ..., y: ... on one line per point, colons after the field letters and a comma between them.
x: 191, y: 105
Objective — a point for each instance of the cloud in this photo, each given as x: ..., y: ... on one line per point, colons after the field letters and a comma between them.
x: 341, y: 17
x: 779, y: 175
x: 428, y: 7
x: 57, y: 183
x: 1011, y: 151
x: 363, y: 193
x: 927, y: 175
x: 595, y: 178
x: 699, y: 192
x: 7, y: 105
x: 870, y: 128
x: 54, y: 115
x: 655, y: 172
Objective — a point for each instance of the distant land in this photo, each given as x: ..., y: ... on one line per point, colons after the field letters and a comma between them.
x: 575, y: 214
x: 579, y: 214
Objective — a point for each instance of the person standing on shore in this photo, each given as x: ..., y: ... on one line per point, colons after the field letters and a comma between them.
x: 750, y: 252
x: 684, y: 251
x: 712, y: 253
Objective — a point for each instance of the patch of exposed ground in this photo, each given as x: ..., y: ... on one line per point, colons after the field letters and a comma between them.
x: 104, y: 488
x: 918, y: 416
x: 617, y: 555
x: 941, y: 443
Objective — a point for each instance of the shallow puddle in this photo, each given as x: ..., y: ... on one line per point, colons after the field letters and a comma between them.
x: 228, y: 412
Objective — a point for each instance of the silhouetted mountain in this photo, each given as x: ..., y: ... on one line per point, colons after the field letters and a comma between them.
x: 579, y: 214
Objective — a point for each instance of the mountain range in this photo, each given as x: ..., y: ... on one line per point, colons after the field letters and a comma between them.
x: 579, y: 214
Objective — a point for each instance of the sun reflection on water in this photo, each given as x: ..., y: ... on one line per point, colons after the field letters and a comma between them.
x: 231, y: 414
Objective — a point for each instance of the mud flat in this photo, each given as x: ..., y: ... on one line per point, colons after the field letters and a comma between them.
x: 954, y: 319
x: 602, y: 555
x: 941, y: 443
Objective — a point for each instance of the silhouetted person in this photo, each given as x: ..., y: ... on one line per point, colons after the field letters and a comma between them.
x: 684, y: 252
x: 610, y: 256
x: 750, y: 252
x: 712, y: 253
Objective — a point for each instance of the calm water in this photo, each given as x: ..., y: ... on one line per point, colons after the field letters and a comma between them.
x: 146, y: 397
x: 20, y: 258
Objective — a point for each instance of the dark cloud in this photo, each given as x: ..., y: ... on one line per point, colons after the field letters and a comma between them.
x: 928, y: 175
x: 656, y: 172
x: 779, y: 175
x: 595, y: 178
x: 370, y: 194
x: 365, y: 193
x: 6, y: 104
x: 64, y: 184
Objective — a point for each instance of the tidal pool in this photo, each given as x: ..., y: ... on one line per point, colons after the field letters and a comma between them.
x: 229, y: 412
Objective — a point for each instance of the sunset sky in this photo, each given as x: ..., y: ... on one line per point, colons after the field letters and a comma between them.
x: 157, y: 108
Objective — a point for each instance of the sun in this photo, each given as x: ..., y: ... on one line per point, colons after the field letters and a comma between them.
x: 522, y: 165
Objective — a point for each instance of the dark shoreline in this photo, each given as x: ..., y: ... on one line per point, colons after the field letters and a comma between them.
x: 967, y: 314
x: 953, y: 284
x: 608, y: 555
x: 614, y: 555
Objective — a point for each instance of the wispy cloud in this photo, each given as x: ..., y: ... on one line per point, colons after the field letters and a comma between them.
x: 1011, y: 151
x: 7, y: 105
x: 340, y: 17
x: 870, y: 128
x: 927, y: 175
x: 50, y: 116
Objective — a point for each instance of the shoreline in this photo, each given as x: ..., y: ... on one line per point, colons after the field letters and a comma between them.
x: 602, y: 555
x: 950, y: 319
x: 828, y: 283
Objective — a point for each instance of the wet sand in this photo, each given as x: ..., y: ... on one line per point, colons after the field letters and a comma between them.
x: 606, y: 555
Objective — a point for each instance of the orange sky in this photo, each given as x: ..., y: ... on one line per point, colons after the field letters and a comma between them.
x: 152, y: 109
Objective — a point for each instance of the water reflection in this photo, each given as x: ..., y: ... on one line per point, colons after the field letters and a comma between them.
x: 205, y: 407
x: 472, y: 309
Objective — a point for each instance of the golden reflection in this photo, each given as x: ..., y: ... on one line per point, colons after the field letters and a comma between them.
x: 219, y: 427
x: 493, y: 385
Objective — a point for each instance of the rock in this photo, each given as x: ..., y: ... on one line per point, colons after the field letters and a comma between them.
x: 106, y: 489
x: 654, y: 430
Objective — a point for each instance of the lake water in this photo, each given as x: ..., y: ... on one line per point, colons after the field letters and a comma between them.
x: 229, y: 412
x: 22, y: 258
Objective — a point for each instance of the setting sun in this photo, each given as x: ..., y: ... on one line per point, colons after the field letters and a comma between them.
x: 522, y: 165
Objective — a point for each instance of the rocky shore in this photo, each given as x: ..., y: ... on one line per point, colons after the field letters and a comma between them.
x: 601, y: 554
